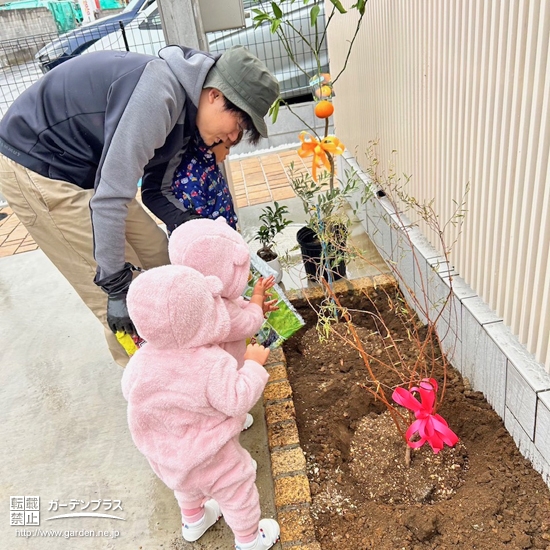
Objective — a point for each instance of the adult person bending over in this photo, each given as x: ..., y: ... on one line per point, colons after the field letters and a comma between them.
x: 74, y: 145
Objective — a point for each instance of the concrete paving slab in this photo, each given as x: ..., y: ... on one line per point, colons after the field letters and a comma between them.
x: 64, y: 433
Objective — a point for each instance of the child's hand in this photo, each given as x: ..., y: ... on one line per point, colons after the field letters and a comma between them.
x: 269, y: 306
x: 259, y: 293
x: 257, y: 353
x: 263, y: 285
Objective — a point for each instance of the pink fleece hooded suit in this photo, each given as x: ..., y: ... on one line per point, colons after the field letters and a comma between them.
x: 214, y: 248
x: 187, y: 399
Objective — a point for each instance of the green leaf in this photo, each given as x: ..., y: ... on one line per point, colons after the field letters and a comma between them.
x: 338, y: 5
x: 261, y: 14
x: 275, y: 24
x: 261, y: 18
x: 276, y: 10
x: 360, y: 5
x: 274, y: 110
x: 314, y: 14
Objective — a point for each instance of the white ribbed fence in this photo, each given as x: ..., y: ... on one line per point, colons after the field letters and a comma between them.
x: 460, y: 89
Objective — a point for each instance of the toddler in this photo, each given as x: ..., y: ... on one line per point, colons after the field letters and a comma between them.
x: 187, y: 400
x: 199, y: 184
x: 213, y: 248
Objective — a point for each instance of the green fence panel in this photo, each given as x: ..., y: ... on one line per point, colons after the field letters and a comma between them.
x: 64, y: 14
x: 64, y: 11
x: 111, y: 4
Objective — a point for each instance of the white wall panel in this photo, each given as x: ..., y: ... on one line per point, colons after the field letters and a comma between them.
x: 460, y: 90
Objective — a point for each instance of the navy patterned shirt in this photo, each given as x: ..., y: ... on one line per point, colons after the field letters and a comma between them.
x: 200, y: 186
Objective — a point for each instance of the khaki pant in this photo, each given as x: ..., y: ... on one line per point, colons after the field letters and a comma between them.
x: 57, y: 216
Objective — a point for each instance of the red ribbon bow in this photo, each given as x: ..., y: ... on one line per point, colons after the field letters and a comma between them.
x: 429, y: 426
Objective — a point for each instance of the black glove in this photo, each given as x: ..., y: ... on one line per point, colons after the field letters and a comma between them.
x: 116, y: 286
x: 118, y: 317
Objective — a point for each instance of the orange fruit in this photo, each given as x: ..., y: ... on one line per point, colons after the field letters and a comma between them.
x: 324, y: 109
x: 323, y: 91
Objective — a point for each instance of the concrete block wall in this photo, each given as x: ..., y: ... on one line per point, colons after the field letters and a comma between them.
x: 23, y: 32
x: 474, y: 338
x: 26, y: 22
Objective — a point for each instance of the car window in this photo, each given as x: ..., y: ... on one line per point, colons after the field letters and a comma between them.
x: 134, y: 3
x: 147, y: 4
x: 152, y: 22
x: 131, y: 5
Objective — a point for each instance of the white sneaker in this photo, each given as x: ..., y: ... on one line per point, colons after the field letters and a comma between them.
x: 248, y: 422
x: 194, y: 531
x: 268, y: 536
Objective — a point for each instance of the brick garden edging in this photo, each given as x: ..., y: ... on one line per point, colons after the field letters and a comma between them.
x: 288, y: 464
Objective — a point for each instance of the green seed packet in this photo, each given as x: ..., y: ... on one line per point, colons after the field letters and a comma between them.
x: 281, y: 324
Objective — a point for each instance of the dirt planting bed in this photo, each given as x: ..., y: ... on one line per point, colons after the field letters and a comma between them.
x: 481, y: 494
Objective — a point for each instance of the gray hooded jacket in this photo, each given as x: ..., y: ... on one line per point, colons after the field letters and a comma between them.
x: 102, y: 121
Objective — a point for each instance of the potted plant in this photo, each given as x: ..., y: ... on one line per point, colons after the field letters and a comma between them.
x: 323, y: 240
x: 273, y: 222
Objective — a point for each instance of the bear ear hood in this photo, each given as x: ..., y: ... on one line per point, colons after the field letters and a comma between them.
x: 213, y: 248
x: 177, y: 307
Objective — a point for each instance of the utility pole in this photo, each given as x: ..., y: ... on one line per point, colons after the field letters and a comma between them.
x: 182, y: 23
x: 186, y: 22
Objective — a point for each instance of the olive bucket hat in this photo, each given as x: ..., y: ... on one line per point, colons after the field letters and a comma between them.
x: 243, y: 79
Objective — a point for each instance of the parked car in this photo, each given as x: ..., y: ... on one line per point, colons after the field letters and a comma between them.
x: 144, y: 35
x: 76, y: 41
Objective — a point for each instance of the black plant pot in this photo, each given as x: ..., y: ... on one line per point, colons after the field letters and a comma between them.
x: 311, y: 255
